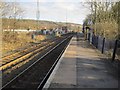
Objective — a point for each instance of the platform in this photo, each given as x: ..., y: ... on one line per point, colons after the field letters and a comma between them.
x: 81, y: 66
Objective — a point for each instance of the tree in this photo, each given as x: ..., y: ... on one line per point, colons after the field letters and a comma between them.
x: 105, y: 18
x: 11, y: 10
x: 3, y: 9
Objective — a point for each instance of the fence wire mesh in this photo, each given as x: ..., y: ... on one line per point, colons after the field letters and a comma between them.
x: 109, y: 47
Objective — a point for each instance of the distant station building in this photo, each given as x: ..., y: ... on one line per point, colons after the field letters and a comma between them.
x: 65, y: 29
x: 87, y: 29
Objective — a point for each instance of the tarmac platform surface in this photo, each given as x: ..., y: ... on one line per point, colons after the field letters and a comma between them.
x: 81, y: 66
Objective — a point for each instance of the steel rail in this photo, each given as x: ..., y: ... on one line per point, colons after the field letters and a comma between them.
x: 41, y: 85
x: 34, y: 63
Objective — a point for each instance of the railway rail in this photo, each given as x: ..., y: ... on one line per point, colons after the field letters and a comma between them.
x: 21, y: 56
x: 12, y: 68
x: 8, y: 58
x: 38, y: 65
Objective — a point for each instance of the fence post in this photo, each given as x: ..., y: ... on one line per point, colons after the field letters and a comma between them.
x: 96, y: 42
x: 103, y: 44
x: 114, y: 51
x: 89, y: 37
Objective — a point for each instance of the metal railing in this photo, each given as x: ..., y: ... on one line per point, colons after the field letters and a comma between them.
x: 111, y: 47
x: 116, y: 51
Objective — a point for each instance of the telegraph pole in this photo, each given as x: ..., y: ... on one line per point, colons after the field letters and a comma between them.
x: 14, y: 9
x: 66, y: 20
x: 66, y: 16
x: 37, y: 14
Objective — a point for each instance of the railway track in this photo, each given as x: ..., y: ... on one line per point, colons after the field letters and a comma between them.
x: 21, y: 56
x: 18, y: 54
x: 41, y: 64
x: 12, y: 68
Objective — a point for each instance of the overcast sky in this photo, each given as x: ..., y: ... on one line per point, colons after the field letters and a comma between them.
x: 55, y: 10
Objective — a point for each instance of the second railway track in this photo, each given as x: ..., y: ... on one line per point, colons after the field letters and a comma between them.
x: 20, y: 53
x: 34, y: 73
x: 23, y: 56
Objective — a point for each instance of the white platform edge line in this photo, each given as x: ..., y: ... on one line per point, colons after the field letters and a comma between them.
x: 31, y: 65
x: 47, y: 84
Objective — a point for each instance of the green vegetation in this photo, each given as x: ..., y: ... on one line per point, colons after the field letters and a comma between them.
x: 12, y: 18
x: 33, y: 24
x: 12, y: 41
x: 106, y: 19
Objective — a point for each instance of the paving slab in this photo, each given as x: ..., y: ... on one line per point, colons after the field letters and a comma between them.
x: 92, y: 70
x: 82, y: 67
